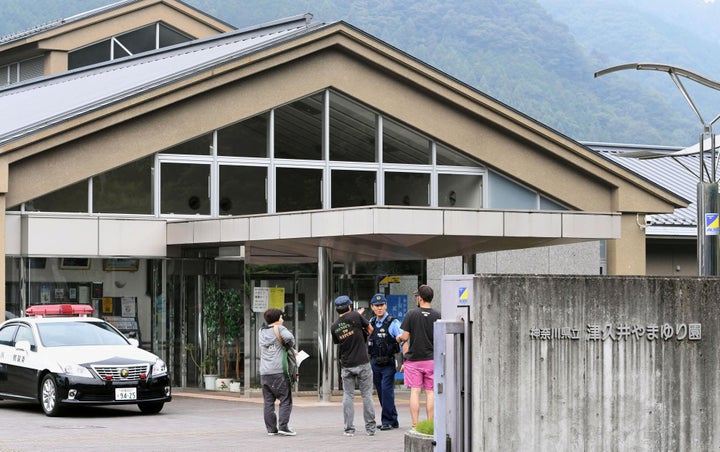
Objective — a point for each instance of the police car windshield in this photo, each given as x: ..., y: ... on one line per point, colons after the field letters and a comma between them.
x: 64, y: 334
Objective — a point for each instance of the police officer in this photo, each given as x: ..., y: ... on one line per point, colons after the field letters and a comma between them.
x: 382, y: 348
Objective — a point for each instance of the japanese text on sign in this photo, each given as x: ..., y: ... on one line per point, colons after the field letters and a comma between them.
x: 612, y: 332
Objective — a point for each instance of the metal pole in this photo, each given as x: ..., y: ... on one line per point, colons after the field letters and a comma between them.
x: 325, y: 365
x: 707, y: 243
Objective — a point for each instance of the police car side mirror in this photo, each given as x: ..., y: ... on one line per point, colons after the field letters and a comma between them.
x: 134, y: 342
x: 22, y: 345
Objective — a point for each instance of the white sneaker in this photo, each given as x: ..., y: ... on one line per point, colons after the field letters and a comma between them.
x: 349, y: 433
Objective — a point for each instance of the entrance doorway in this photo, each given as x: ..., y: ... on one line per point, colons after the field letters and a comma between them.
x: 187, y: 280
x: 296, y: 295
x: 294, y: 290
x: 291, y: 288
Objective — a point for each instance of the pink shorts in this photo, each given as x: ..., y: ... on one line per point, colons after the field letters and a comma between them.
x: 419, y: 374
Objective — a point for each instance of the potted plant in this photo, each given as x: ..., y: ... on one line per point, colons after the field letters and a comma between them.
x: 207, y: 365
x: 233, y: 326
x: 223, y: 320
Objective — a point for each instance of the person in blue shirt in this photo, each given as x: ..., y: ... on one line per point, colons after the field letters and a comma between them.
x: 382, y: 347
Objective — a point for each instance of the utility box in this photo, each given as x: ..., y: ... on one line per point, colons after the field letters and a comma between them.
x: 453, y: 353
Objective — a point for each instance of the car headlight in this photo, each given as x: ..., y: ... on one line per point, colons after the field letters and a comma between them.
x: 159, y: 368
x: 77, y: 371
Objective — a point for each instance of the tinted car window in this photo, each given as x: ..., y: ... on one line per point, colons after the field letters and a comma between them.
x: 7, y: 334
x: 63, y: 334
x: 25, y: 334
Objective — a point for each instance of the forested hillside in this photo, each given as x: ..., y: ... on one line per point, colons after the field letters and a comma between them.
x: 539, y: 57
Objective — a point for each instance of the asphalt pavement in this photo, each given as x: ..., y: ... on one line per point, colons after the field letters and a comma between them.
x: 319, y: 424
x: 195, y: 420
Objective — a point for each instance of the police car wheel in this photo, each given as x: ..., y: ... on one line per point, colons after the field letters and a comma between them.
x: 151, y: 407
x: 49, y: 396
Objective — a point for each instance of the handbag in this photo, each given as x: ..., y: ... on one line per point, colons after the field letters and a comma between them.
x: 289, y: 360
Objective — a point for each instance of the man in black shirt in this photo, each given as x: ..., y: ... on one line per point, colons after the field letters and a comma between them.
x: 350, y: 332
x: 417, y: 327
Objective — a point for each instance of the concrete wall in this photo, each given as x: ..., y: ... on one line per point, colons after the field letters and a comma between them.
x: 584, y: 258
x: 576, y: 363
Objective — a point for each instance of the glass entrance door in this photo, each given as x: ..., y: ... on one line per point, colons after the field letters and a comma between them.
x: 295, y: 292
x: 184, y: 277
x: 296, y: 296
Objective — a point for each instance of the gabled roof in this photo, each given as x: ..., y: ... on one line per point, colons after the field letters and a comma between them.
x: 37, y: 31
x: 677, y: 175
x: 51, y: 100
x: 472, y: 121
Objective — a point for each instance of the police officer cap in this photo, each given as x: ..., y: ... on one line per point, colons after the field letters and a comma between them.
x: 342, y: 300
x: 378, y: 298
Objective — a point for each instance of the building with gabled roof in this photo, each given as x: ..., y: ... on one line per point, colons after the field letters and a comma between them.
x: 130, y: 182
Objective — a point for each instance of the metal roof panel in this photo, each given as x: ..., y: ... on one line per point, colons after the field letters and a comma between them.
x: 47, y: 101
x: 675, y: 174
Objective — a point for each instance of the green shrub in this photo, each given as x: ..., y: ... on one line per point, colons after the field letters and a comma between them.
x: 425, y: 427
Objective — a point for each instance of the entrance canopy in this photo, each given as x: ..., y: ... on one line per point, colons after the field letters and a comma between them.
x: 388, y: 233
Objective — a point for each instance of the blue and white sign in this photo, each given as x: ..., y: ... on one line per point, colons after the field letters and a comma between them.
x: 712, y: 224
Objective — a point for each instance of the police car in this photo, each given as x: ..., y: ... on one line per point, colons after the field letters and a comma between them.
x: 58, y: 356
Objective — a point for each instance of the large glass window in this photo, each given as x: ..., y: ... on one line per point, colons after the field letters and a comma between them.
x: 248, y: 181
x: 243, y: 190
x: 407, y: 189
x: 119, y: 50
x: 353, y: 131
x: 89, y: 55
x: 402, y: 145
x: 184, y: 189
x: 168, y: 36
x: 506, y: 194
x: 43, y: 280
x: 298, y: 129
x: 137, y: 41
x: 248, y: 138
x: 353, y: 188
x: 451, y: 157
x: 73, y: 198
x: 460, y: 190
x: 143, y: 39
x: 201, y: 145
x: 127, y: 189
x: 298, y: 189
x: 548, y: 204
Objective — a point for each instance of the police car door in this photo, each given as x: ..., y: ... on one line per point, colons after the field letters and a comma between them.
x: 22, y: 374
x: 7, y: 335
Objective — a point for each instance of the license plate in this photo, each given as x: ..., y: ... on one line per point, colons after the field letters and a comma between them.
x: 125, y: 393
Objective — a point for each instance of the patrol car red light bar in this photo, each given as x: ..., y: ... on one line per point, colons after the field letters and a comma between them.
x: 60, y: 309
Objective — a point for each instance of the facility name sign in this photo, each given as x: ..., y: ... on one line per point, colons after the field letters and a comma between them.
x: 612, y: 332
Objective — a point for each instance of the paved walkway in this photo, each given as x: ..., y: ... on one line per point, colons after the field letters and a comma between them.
x: 319, y: 424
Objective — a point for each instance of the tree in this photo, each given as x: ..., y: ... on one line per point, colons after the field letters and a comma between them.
x: 222, y: 310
